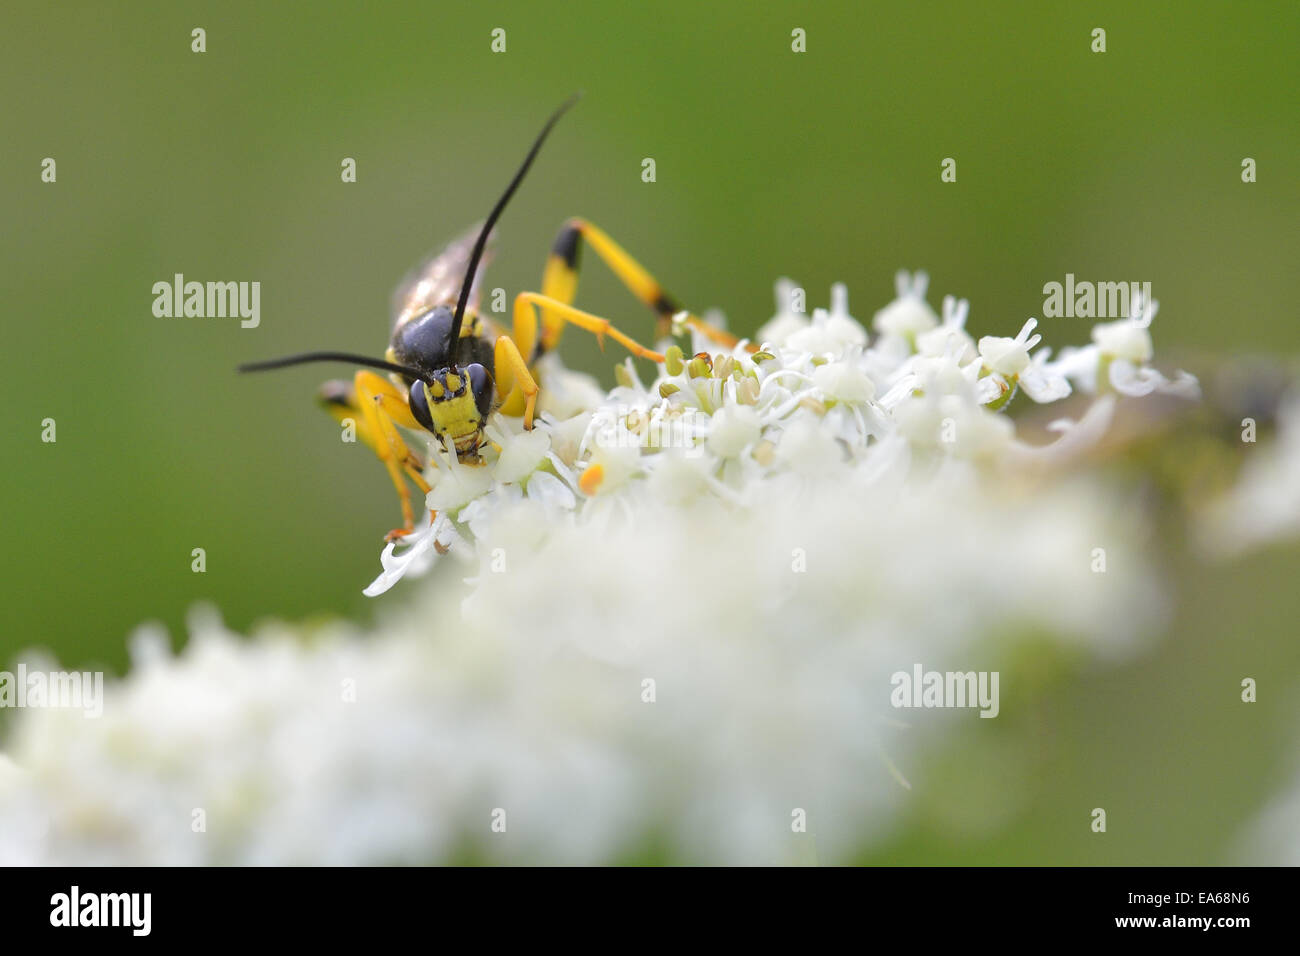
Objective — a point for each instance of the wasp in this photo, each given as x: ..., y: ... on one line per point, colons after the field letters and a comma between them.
x: 450, y: 367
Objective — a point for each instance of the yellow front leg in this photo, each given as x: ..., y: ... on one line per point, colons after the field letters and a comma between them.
x: 514, y: 379
x: 381, y: 404
x: 339, y: 398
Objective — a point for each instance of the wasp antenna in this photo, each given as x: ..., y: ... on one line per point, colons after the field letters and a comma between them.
x: 306, y: 357
x: 491, y: 220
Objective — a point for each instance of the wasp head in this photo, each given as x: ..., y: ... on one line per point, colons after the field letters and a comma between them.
x: 454, y: 404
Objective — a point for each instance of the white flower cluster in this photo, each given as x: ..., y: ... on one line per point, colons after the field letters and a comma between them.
x: 685, y: 604
x: 923, y: 400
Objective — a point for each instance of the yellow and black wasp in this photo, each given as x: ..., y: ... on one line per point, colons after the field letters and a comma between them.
x: 449, y: 367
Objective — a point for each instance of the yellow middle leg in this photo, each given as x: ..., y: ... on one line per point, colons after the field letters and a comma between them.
x: 525, y: 324
x: 514, y: 379
x: 560, y: 282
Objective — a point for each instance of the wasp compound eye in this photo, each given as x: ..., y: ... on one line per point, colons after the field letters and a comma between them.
x: 419, y: 402
x: 480, y: 386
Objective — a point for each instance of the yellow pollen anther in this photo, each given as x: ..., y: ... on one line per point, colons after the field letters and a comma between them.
x: 591, y: 479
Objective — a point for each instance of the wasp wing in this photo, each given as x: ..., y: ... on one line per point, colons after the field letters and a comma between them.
x: 436, y: 281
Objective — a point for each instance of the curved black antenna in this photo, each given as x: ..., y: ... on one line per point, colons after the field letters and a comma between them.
x: 491, y: 220
x: 305, y: 357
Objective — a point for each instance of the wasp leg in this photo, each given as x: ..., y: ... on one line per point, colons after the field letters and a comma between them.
x: 339, y: 399
x: 525, y: 324
x: 514, y: 380
x: 560, y: 282
x: 381, y: 408
x: 513, y: 377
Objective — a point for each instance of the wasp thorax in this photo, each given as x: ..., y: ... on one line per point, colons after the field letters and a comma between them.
x: 424, y: 342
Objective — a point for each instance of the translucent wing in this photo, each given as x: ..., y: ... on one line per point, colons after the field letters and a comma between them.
x: 437, y: 280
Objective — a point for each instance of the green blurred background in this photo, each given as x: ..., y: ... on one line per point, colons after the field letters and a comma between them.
x: 823, y: 166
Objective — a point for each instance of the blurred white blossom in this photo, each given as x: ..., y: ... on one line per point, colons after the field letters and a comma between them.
x: 1264, y: 505
x: 1273, y: 837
